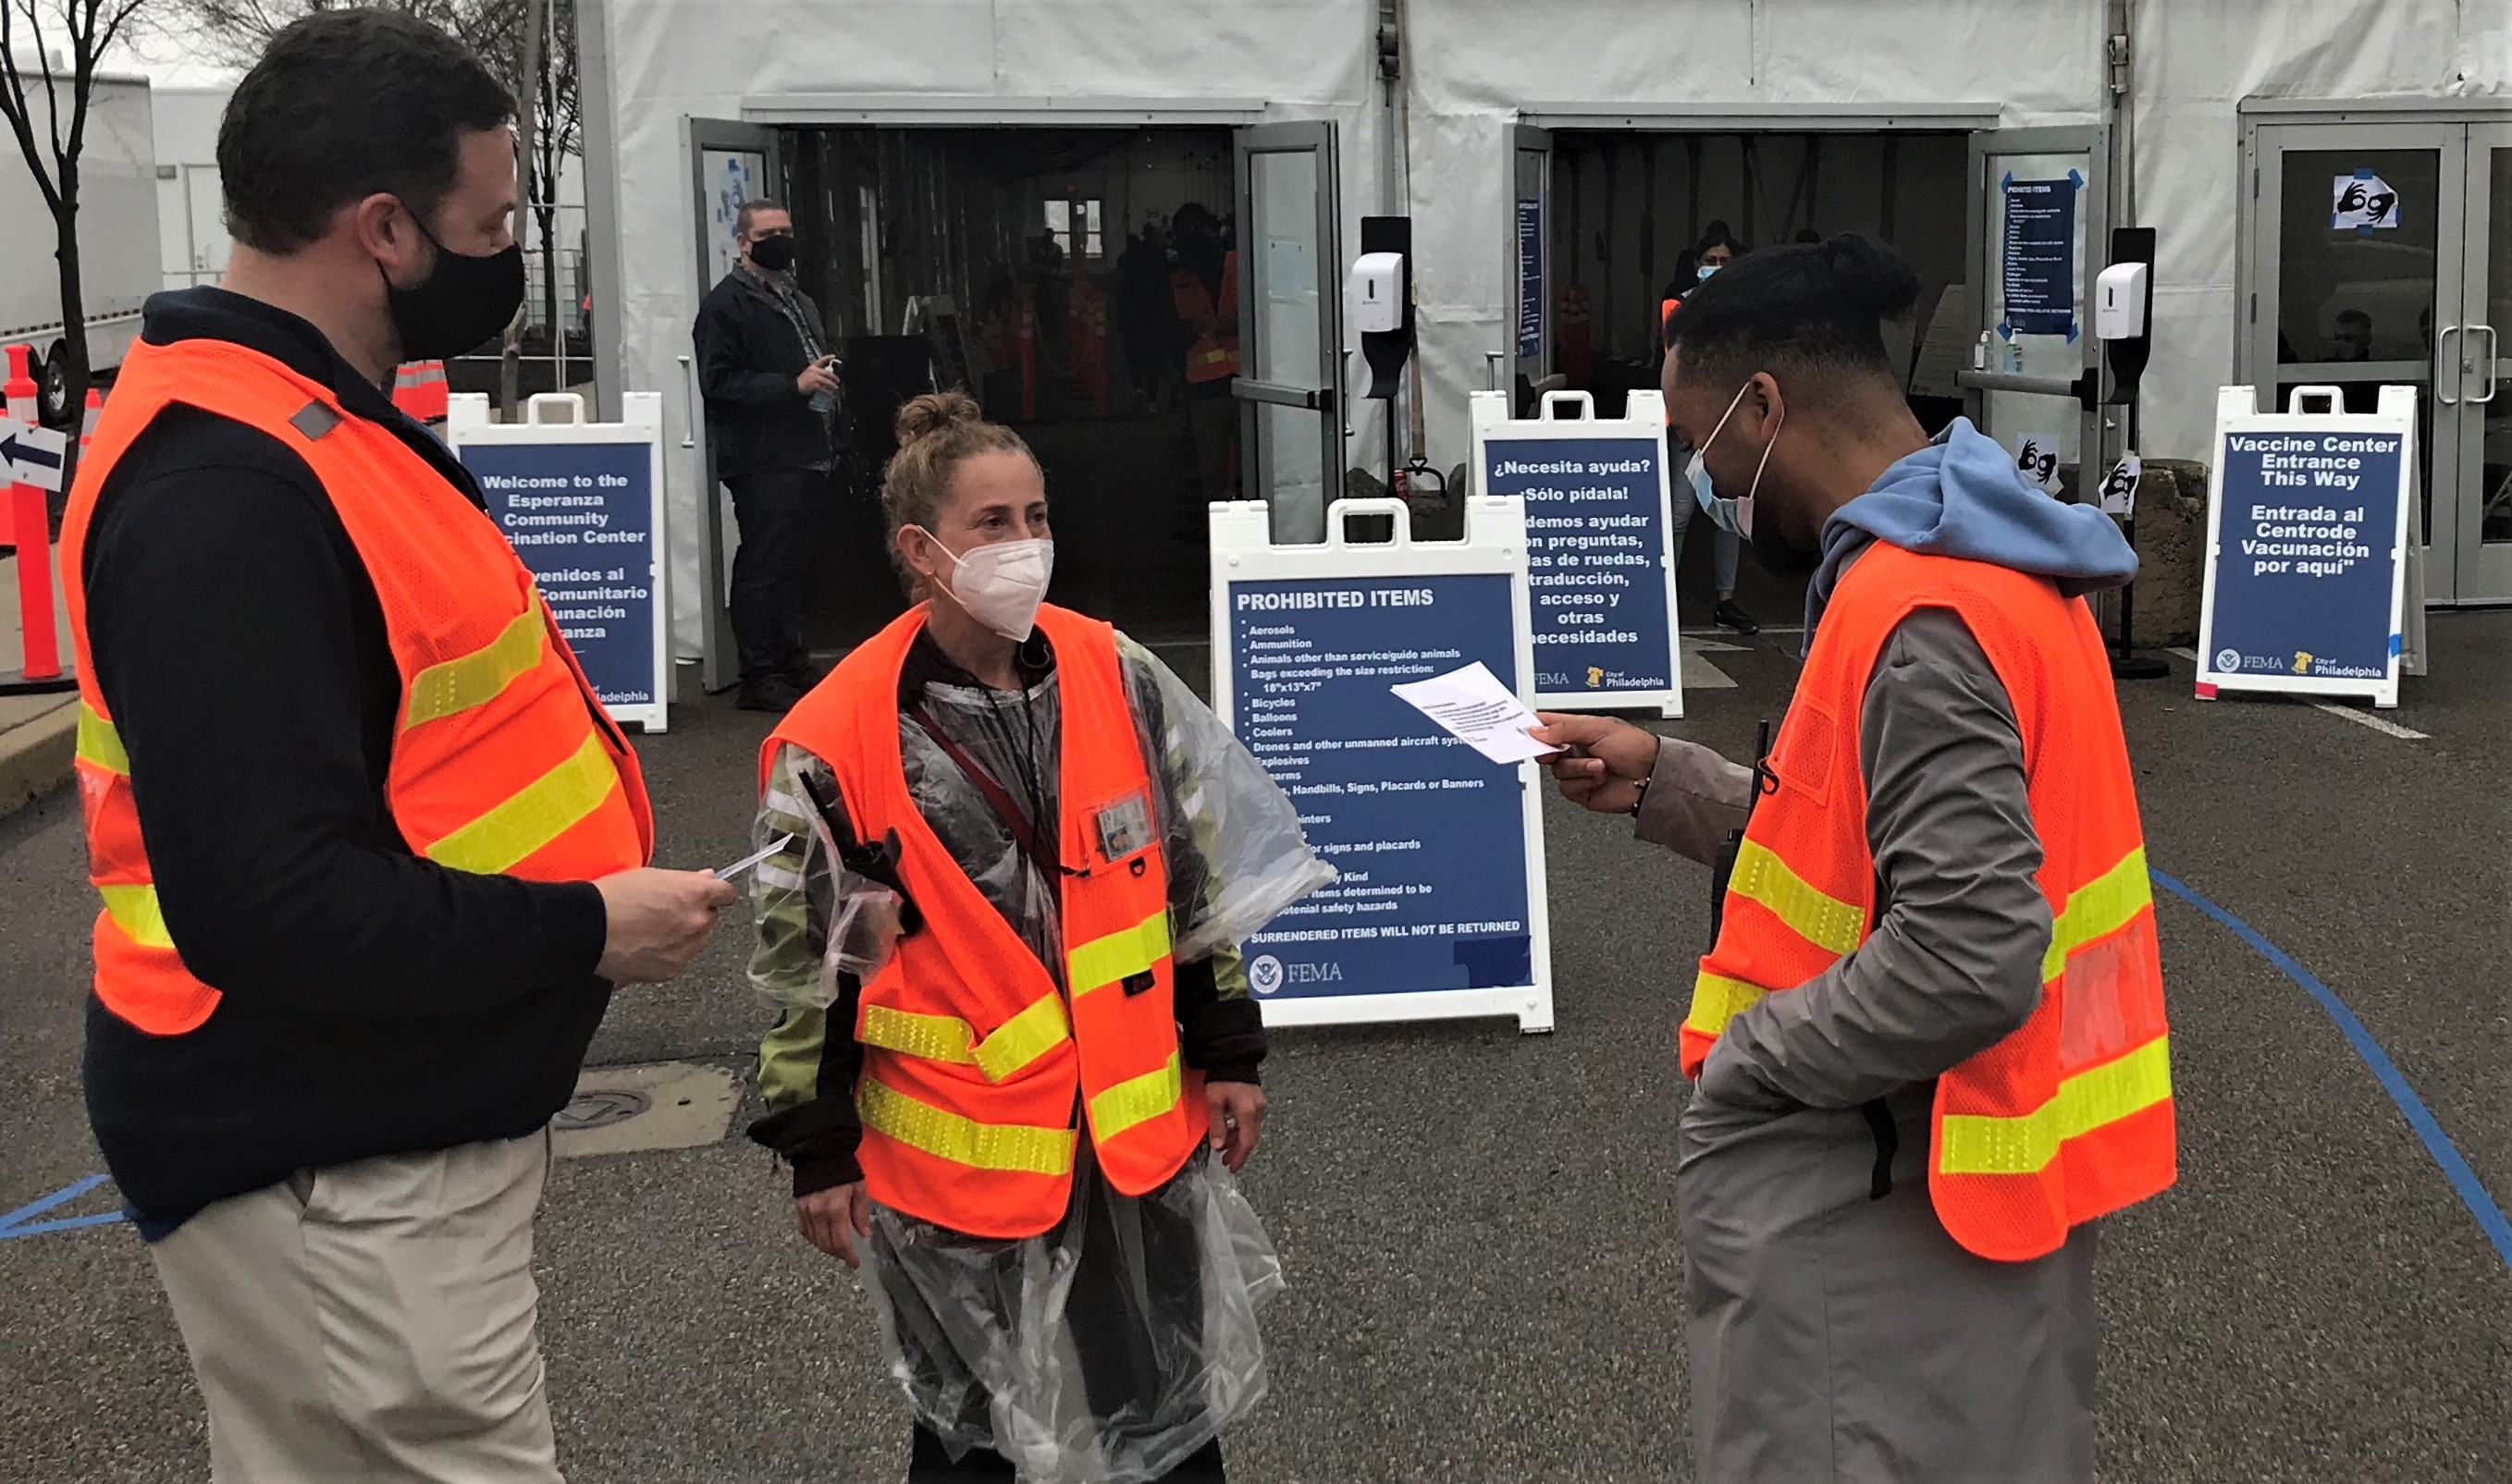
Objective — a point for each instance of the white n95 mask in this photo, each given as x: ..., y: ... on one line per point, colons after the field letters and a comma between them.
x: 1002, y: 584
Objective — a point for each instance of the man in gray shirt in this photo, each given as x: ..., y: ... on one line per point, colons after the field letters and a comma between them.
x: 1839, y: 1331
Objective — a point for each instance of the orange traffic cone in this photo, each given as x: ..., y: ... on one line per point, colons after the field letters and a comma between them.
x: 419, y: 390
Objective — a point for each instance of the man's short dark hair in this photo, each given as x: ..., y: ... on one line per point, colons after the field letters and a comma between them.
x: 2354, y: 317
x: 346, y: 104
x: 1814, y: 310
x: 749, y: 209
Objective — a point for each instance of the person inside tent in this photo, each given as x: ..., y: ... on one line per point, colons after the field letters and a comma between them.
x: 1716, y: 248
x: 1018, y: 1062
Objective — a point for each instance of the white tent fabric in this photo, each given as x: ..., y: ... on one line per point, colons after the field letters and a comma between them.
x: 672, y: 61
x: 1472, y: 66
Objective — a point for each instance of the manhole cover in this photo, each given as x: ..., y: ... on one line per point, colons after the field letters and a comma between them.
x: 600, y: 1110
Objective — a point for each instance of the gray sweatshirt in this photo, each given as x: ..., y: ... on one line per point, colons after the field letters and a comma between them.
x: 1954, y: 962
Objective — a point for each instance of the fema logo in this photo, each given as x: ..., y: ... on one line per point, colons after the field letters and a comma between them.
x: 1265, y: 975
x: 2228, y: 661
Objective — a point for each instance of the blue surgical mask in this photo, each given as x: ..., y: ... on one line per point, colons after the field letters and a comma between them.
x: 1735, y: 516
x: 1703, y: 272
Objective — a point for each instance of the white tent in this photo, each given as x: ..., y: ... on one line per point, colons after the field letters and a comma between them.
x: 1443, y: 144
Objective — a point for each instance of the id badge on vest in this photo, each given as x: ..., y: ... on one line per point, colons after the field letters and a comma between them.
x: 1123, y: 828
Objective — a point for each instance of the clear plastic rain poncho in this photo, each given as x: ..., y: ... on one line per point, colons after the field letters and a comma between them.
x: 1111, y: 1347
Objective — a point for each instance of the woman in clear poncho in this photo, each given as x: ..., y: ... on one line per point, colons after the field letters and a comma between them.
x: 932, y: 1127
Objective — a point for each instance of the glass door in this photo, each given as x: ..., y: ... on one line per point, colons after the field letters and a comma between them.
x: 2485, y: 373
x: 2039, y: 219
x: 2357, y: 284
x: 732, y: 163
x: 1530, y: 207
x: 1290, y: 325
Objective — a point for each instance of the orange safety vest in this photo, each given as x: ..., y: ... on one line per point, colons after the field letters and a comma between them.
x: 1213, y: 354
x: 504, y: 764
x: 2070, y: 1116
x: 974, y: 1061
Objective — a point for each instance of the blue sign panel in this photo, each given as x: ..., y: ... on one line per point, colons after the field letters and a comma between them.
x: 1595, y: 544
x: 1530, y: 280
x: 581, y: 515
x: 2303, y: 570
x: 1429, y: 834
x: 2040, y: 256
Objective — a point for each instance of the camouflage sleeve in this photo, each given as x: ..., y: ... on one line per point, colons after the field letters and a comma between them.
x: 805, y: 1075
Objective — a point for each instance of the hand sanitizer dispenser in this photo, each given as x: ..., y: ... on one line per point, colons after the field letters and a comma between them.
x: 1374, y: 293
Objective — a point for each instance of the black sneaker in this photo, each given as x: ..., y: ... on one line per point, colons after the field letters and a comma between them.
x: 1731, y: 614
x: 774, y: 693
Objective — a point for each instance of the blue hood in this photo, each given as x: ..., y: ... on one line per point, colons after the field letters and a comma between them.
x: 1962, y: 496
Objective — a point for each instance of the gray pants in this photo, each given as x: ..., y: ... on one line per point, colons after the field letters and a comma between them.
x: 1838, y: 1339
x: 371, y: 1322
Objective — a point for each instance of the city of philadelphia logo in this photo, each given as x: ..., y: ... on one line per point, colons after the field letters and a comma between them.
x: 1265, y: 975
x: 1596, y: 676
x: 2228, y: 661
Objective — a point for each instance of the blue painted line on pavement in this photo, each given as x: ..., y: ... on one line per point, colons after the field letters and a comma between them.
x: 37, y: 1207
x: 66, y: 1224
x: 2463, y: 1180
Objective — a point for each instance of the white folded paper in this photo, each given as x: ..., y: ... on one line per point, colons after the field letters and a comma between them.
x: 1478, y: 709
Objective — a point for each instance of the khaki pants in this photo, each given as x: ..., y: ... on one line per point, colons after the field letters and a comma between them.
x: 371, y: 1322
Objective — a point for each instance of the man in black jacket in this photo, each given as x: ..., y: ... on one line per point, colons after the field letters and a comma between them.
x: 336, y: 1170
x: 771, y: 397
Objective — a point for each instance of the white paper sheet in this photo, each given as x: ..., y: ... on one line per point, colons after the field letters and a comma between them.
x: 1478, y: 709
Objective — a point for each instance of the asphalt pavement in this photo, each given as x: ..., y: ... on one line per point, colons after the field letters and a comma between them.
x: 1478, y: 1226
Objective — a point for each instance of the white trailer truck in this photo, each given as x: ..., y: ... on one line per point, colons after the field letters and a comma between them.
x: 117, y: 233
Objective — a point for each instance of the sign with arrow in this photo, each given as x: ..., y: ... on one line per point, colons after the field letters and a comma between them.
x: 34, y: 454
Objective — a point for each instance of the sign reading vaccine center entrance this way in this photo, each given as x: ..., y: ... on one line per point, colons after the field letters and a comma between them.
x: 2307, y: 530
x: 579, y: 502
x: 1601, y: 582
x: 1437, y: 910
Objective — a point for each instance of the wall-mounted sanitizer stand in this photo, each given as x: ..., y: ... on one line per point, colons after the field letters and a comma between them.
x: 1439, y: 909
x: 1599, y: 551
x: 582, y: 503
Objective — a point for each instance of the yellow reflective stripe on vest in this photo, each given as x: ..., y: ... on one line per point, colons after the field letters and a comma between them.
x: 1020, y: 1147
x: 99, y: 743
x: 1977, y: 1144
x: 1015, y: 1044
x: 1023, y: 1038
x: 1137, y: 1100
x: 1823, y: 920
x: 539, y: 812
x: 935, y: 1038
x: 1717, y: 999
x: 2097, y: 909
x: 134, y: 910
x: 458, y: 684
x: 1120, y: 954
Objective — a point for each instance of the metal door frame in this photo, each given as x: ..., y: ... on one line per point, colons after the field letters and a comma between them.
x: 2094, y: 205
x: 2483, y: 570
x: 719, y: 657
x: 2259, y: 280
x: 1526, y: 139
x: 1294, y: 136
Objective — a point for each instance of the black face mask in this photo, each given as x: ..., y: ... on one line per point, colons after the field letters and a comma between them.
x: 773, y: 253
x: 464, y: 300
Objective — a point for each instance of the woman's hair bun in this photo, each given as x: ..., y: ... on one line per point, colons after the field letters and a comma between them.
x: 1870, y: 276
x: 936, y: 412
